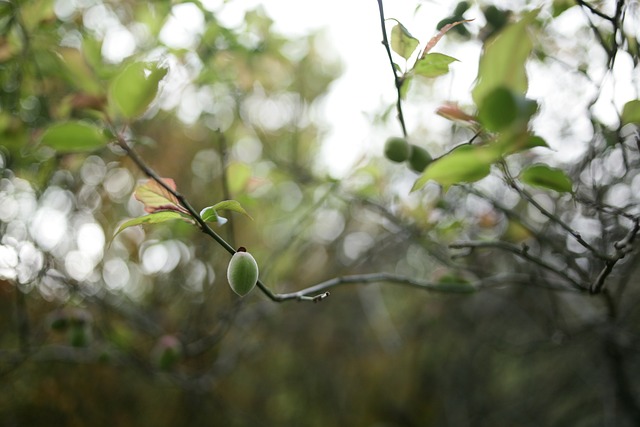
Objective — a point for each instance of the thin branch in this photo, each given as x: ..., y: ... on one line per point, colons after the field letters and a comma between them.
x: 623, y: 247
x: 397, y: 79
x: 594, y: 10
x: 529, y: 198
x: 522, y: 252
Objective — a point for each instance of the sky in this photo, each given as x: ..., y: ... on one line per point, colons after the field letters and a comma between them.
x: 353, y: 34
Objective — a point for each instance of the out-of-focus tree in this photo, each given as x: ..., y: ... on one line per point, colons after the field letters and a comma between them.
x: 477, y: 272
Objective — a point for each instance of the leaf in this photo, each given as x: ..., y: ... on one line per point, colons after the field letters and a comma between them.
x: 135, y: 87
x: 631, y: 112
x: 452, y: 111
x: 547, y: 177
x: 466, y: 163
x: 498, y: 109
x: 435, y: 39
x: 209, y: 214
x: 503, y: 60
x: 433, y: 65
x: 230, y: 205
x: 153, y: 218
x: 402, y: 42
x: 74, y: 136
x: 78, y: 72
x: 157, y: 198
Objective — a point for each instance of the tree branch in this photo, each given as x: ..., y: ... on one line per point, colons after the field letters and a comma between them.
x: 397, y: 79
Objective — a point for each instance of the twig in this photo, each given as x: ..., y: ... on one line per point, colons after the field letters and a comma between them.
x: 398, y: 80
x: 522, y: 252
x: 529, y: 198
x: 623, y: 247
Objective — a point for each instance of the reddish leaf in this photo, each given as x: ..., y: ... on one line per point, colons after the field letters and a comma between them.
x: 435, y: 39
x: 157, y: 198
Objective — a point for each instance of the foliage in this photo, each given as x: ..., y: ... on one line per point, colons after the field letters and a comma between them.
x: 515, y: 258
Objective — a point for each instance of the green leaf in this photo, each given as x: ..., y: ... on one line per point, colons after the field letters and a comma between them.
x: 498, y: 109
x: 153, y: 218
x: 402, y: 42
x: 135, y: 87
x: 467, y: 163
x: 433, y: 65
x: 547, y: 177
x: 504, y: 58
x: 631, y: 112
x: 230, y: 205
x: 74, y: 136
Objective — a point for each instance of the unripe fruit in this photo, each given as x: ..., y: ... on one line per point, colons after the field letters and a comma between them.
x: 397, y: 149
x: 419, y: 158
x: 242, y: 272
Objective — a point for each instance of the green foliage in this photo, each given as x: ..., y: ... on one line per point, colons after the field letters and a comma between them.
x: 466, y: 163
x: 67, y: 137
x: 133, y: 89
x: 631, y: 112
x: 402, y: 42
x: 546, y: 177
x: 433, y: 65
x: 503, y: 60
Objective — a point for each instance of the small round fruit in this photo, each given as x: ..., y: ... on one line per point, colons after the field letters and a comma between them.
x: 419, y: 159
x: 397, y: 149
x: 242, y: 272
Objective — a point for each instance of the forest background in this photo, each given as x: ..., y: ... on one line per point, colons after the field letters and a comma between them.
x: 452, y: 244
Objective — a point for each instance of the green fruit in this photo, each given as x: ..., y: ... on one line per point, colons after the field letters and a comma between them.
x: 397, y: 149
x: 242, y: 272
x: 419, y: 159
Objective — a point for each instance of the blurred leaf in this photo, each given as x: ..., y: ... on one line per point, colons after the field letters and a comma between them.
x: 433, y: 65
x: 78, y: 72
x: 153, y: 218
x: 402, y: 42
x: 452, y: 111
x: 504, y: 58
x: 157, y: 198
x: 547, y: 177
x: 631, y: 112
x: 231, y: 205
x: 135, y: 88
x: 467, y: 163
x: 73, y: 137
x: 443, y: 26
x: 498, y: 109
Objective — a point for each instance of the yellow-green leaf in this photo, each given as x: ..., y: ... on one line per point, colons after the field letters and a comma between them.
x: 74, y: 136
x: 402, y: 42
x: 547, y: 177
x: 631, y: 112
x: 504, y: 58
x: 135, y: 88
x: 153, y: 218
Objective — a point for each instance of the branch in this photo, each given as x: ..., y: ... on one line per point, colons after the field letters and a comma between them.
x: 522, y: 252
x: 398, y: 80
x: 529, y: 198
x: 623, y: 247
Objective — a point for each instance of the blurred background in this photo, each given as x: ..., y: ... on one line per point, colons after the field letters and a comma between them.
x: 285, y: 108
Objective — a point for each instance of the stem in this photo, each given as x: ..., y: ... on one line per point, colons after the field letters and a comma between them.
x: 397, y: 79
x: 522, y: 253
